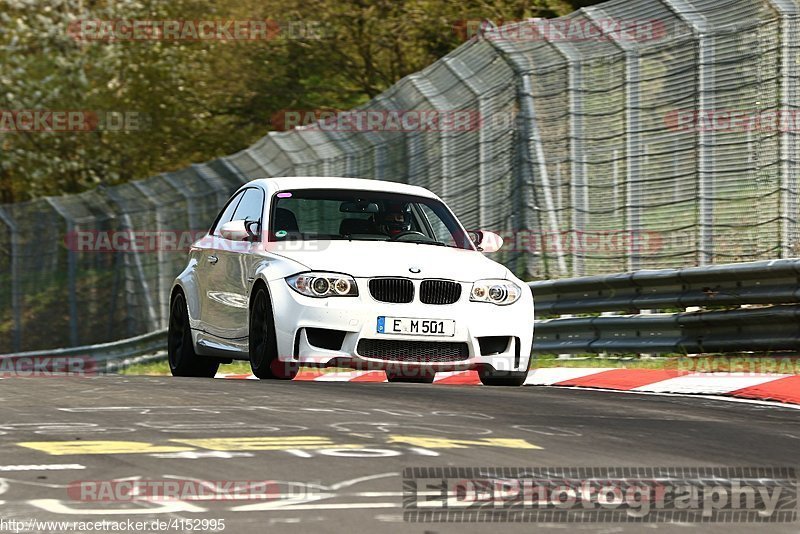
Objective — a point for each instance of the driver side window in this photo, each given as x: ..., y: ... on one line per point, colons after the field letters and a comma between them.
x: 251, y: 206
x: 227, y: 213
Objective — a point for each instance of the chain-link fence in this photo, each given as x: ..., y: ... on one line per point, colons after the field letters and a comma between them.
x: 636, y: 134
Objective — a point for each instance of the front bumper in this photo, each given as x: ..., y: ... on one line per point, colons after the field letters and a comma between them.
x: 356, y: 319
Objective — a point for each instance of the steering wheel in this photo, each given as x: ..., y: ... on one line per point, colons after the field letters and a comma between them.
x: 408, y: 232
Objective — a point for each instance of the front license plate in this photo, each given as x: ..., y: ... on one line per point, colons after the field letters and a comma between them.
x: 416, y: 327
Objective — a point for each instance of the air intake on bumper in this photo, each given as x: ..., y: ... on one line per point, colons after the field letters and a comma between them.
x: 413, y: 351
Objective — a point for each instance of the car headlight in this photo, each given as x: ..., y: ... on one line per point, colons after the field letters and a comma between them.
x: 321, y: 285
x: 500, y: 292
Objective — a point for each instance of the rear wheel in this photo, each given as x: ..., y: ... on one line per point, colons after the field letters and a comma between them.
x: 490, y: 377
x: 264, y: 359
x: 183, y: 361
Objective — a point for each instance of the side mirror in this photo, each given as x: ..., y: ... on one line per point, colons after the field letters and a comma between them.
x: 235, y: 231
x: 486, y: 241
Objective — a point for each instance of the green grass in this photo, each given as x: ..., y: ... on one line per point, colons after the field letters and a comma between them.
x: 617, y: 363
x: 162, y: 368
x: 148, y: 369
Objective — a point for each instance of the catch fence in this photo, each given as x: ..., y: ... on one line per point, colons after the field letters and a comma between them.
x: 637, y: 134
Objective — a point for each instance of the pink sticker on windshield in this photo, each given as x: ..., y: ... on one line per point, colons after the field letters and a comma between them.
x: 284, y: 195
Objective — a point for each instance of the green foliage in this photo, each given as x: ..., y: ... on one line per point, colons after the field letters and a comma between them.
x: 200, y: 100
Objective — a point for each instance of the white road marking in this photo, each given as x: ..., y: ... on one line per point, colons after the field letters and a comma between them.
x: 423, y: 452
x: 707, y: 384
x: 56, y: 506
x: 389, y: 518
x: 197, y: 455
x: 289, y: 507
x: 41, y: 467
x: 448, y: 374
x: 549, y: 376
x: 756, y: 402
x: 354, y: 481
x: 299, y: 452
x: 360, y: 453
x: 342, y: 506
x: 344, y: 376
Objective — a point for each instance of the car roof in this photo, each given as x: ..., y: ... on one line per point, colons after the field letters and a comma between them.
x: 274, y: 185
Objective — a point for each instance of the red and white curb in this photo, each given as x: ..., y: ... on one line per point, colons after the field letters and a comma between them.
x: 765, y: 387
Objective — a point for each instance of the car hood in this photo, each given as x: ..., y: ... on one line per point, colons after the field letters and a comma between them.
x: 366, y: 259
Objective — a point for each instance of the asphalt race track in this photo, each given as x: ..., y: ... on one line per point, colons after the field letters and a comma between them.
x: 335, y: 451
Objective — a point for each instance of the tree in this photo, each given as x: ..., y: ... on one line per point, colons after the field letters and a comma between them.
x: 198, y: 100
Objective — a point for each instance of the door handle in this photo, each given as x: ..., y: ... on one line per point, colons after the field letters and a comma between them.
x: 213, y: 259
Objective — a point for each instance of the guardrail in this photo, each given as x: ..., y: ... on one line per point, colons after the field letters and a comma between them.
x: 765, y: 295
x: 100, y: 358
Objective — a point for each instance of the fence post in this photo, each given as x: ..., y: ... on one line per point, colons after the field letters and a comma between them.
x: 164, y: 279
x: 138, y: 283
x: 484, y: 154
x: 531, y: 149
x: 633, y: 137
x: 578, y: 184
x: 439, y: 103
x: 16, y: 301
x: 705, y: 163
x: 72, y: 273
x: 790, y: 42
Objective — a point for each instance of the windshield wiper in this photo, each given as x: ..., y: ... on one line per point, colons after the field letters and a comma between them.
x: 436, y: 243
x: 365, y: 237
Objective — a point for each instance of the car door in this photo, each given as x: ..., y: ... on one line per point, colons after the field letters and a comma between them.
x: 207, y: 260
x: 229, y: 285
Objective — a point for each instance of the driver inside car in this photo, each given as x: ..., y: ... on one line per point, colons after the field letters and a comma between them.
x: 395, y: 220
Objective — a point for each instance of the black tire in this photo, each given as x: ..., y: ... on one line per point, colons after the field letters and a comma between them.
x: 183, y: 361
x: 263, y: 346
x: 490, y: 377
x: 410, y: 376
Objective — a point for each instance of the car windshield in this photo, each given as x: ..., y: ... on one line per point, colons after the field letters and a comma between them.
x: 336, y: 214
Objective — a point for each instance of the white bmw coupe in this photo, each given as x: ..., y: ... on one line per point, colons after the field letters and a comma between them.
x: 341, y: 272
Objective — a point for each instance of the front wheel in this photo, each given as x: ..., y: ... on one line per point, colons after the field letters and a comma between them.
x: 183, y: 361
x: 490, y: 377
x: 264, y: 359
